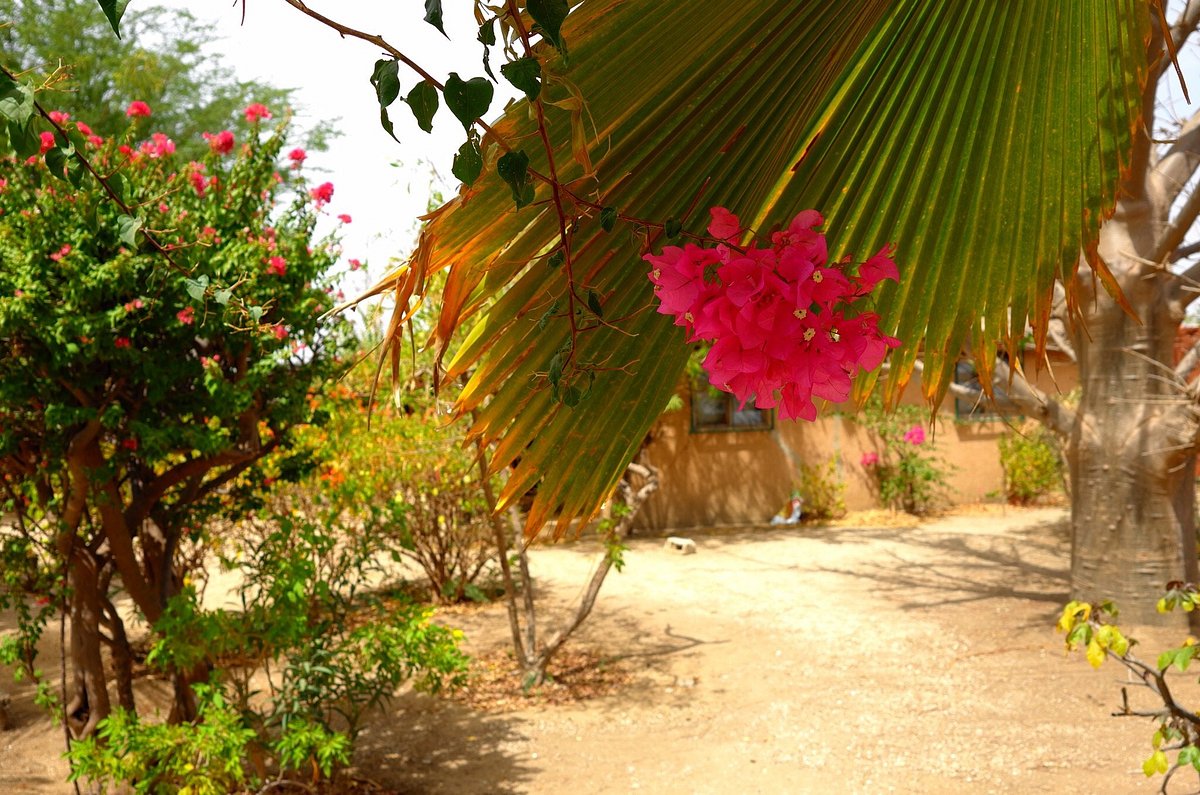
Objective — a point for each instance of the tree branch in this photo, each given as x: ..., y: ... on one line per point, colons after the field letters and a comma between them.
x: 1025, y: 398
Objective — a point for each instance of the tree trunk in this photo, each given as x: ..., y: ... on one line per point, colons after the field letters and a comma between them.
x: 1132, y: 449
x: 88, y: 701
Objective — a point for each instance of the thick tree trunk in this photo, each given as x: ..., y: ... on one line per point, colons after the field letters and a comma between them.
x: 1132, y: 450
x: 87, y: 702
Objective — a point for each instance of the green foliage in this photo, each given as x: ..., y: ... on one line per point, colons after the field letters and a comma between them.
x: 330, y: 649
x: 1032, y: 464
x: 201, y: 758
x: 823, y: 490
x: 906, y: 468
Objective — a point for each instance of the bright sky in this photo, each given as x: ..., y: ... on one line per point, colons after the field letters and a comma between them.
x: 382, y: 185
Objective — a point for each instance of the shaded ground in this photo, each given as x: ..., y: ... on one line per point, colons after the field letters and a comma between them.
x: 834, y: 659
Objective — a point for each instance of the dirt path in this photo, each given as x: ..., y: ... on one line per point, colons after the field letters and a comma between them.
x: 840, y: 659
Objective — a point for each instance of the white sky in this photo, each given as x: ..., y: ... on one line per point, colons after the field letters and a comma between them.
x: 382, y: 185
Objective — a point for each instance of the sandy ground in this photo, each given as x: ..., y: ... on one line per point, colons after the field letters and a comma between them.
x: 917, y: 659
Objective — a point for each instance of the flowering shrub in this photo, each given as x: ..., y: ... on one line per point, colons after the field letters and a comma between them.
x: 783, y: 321
x: 138, y: 393
x: 905, y: 469
x: 823, y: 490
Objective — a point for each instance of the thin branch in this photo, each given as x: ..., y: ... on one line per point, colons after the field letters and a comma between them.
x: 1024, y: 397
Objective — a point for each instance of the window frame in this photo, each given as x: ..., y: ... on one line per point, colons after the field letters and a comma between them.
x: 700, y: 389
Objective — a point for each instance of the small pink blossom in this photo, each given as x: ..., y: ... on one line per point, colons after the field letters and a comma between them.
x: 277, y: 266
x: 134, y: 305
x: 355, y: 264
x: 257, y: 111
x: 59, y: 117
x: 297, y: 156
x: 83, y: 128
x: 137, y: 108
x: 279, y: 331
x: 159, y: 145
x: 345, y: 219
x: 95, y: 140
x: 47, y: 142
x: 323, y: 193
x: 186, y: 316
x: 121, y: 342
x: 221, y: 143
x: 869, y: 459
x: 915, y: 435
x: 61, y: 253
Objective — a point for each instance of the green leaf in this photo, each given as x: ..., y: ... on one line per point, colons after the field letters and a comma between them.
x: 23, y: 140
x: 113, y: 11
x: 196, y: 287
x: 433, y: 15
x: 549, y: 16
x: 16, y: 100
x: 386, y: 80
x: 222, y: 296
x: 423, y: 99
x: 571, y: 396
x: 119, y: 186
x: 513, y: 168
x: 556, y: 259
x: 593, y: 302
x: 555, y: 370
x: 468, y: 162
x: 608, y: 218
x: 487, y: 37
x: 525, y: 74
x: 468, y: 100
x: 672, y: 228
x: 57, y: 158
x: 256, y: 313
x: 127, y: 229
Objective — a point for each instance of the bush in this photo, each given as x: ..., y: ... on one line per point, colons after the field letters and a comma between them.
x: 823, y: 490
x: 906, y: 469
x: 1032, y: 464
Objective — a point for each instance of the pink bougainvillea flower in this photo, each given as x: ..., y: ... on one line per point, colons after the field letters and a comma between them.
x: 59, y: 117
x: 869, y: 459
x: 187, y: 315
x: 257, y: 111
x: 915, y: 435
x: 221, y: 143
x: 724, y: 224
x: 782, y: 320
x: 137, y: 108
x: 121, y: 342
x: 134, y: 305
x: 879, y: 267
x: 83, y: 128
x: 277, y: 266
x: 47, y: 142
x: 323, y: 193
x: 345, y: 219
x: 297, y: 156
x: 355, y: 264
x: 61, y: 253
x: 279, y: 331
x: 159, y: 145
x: 95, y: 140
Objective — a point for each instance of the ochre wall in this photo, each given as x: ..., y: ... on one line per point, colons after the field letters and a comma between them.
x: 744, y: 477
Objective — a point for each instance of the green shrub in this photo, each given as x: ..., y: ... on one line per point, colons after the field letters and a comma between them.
x: 907, y: 471
x: 823, y: 490
x: 1032, y: 464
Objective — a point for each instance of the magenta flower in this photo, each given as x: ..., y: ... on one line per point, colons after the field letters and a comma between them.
x: 221, y: 143
x: 257, y: 111
x: 297, y: 156
x: 915, y: 435
x: 323, y: 193
x: 869, y: 459
x: 277, y: 266
x: 137, y: 108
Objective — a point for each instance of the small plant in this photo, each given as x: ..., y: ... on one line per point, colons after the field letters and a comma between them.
x: 1032, y: 464
x: 823, y: 490
x: 906, y: 469
x: 1093, y: 627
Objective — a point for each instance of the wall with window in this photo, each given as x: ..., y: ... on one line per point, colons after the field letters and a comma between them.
x: 725, y: 466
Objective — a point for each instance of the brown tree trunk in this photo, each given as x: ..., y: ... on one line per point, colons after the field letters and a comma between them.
x: 87, y: 702
x: 1132, y: 450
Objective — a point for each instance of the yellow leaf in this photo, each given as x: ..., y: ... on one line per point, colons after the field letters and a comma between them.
x: 1162, y: 605
x: 1160, y: 761
x: 1095, y: 653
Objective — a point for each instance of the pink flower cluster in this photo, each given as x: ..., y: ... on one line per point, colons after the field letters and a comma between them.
x: 915, y: 435
x: 137, y: 108
x: 159, y: 145
x: 257, y: 111
x: 221, y: 143
x: 781, y: 319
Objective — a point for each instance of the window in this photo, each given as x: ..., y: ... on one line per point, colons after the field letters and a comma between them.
x: 714, y: 410
x: 982, y: 410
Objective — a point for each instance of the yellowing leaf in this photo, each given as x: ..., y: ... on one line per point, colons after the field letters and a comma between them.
x: 1095, y: 653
